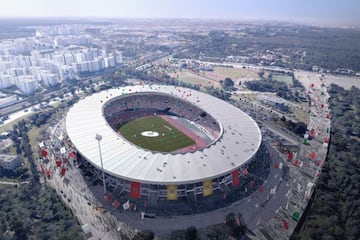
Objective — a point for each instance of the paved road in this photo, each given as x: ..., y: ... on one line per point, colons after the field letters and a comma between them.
x: 13, y: 183
x: 256, y: 209
x: 282, y: 133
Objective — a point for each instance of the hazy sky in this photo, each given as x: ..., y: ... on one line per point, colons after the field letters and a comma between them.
x: 321, y: 11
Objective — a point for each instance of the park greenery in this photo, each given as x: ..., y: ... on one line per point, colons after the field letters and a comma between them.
x: 299, y: 128
x: 227, y: 84
x: 280, y: 88
x: 334, y: 212
x: 233, y: 227
x: 31, y: 210
x: 289, y: 46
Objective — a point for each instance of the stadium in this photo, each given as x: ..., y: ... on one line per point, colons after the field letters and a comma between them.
x: 164, y: 144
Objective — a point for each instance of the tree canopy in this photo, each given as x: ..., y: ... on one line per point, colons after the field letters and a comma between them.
x: 335, y: 210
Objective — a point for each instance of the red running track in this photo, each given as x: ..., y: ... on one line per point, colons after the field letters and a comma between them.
x: 199, y: 142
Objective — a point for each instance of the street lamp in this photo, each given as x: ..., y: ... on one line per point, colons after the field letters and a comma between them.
x: 98, y: 137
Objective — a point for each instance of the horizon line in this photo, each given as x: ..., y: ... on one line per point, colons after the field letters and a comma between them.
x: 224, y: 19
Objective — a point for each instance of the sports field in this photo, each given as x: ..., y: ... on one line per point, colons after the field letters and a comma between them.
x: 189, y: 77
x: 242, y: 74
x: 283, y: 78
x: 155, y: 134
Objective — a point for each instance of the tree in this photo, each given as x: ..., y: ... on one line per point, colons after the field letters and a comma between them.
x: 228, y: 83
x: 191, y: 233
x: 334, y: 212
x: 72, y: 90
x: 236, y: 225
x: 144, y: 235
x: 261, y: 73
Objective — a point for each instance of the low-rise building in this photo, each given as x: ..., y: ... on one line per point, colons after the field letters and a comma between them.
x: 9, y: 162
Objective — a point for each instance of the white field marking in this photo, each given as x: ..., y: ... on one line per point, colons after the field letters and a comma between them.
x: 149, y: 134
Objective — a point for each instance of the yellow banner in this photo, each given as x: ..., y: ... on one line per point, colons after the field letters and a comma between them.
x: 171, y: 192
x: 207, y: 188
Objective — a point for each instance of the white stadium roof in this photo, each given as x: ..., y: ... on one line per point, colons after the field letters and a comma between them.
x: 239, y: 142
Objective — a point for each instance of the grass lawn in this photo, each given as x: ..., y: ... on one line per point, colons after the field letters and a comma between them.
x: 283, y: 78
x: 243, y: 74
x: 169, y: 139
x: 248, y: 96
x: 33, y: 136
x: 300, y: 115
x: 192, y: 78
x: 9, y: 126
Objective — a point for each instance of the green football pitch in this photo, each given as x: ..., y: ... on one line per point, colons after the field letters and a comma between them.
x: 169, y: 138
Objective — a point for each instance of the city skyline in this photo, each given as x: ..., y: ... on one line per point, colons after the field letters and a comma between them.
x: 315, y: 12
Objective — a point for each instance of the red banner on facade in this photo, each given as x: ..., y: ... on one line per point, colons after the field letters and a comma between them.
x: 44, y: 153
x: 251, y: 184
x: 135, y: 190
x: 285, y: 225
x: 276, y: 165
x: 235, y: 178
x: 319, y: 163
x: 58, y: 163
x: 312, y: 133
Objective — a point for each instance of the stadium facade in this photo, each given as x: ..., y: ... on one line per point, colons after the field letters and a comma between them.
x: 232, y: 141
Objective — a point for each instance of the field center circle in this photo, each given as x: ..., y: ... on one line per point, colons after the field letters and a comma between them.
x: 149, y: 134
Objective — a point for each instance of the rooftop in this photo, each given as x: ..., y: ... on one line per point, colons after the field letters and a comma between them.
x: 239, y: 142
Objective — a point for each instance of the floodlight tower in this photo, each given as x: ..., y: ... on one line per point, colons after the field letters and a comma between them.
x: 98, y: 137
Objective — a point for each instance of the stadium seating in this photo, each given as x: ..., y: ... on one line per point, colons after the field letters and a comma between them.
x: 129, y: 107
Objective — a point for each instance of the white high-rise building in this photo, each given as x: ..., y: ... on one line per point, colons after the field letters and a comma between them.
x: 4, y: 65
x: 68, y: 72
x: 69, y: 59
x: 23, y: 61
x: 118, y: 57
x: 82, y: 67
x: 6, y: 80
x: 109, y: 61
x: 26, y: 84
x: 79, y: 57
x: 16, y: 71
x: 50, y: 79
x: 51, y: 66
x: 59, y: 59
x: 24, y: 45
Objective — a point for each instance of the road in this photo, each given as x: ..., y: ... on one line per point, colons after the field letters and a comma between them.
x: 24, y: 112
x: 15, y: 183
x: 256, y: 209
x: 282, y: 133
x: 260, y: 206
x: 88, y: 204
